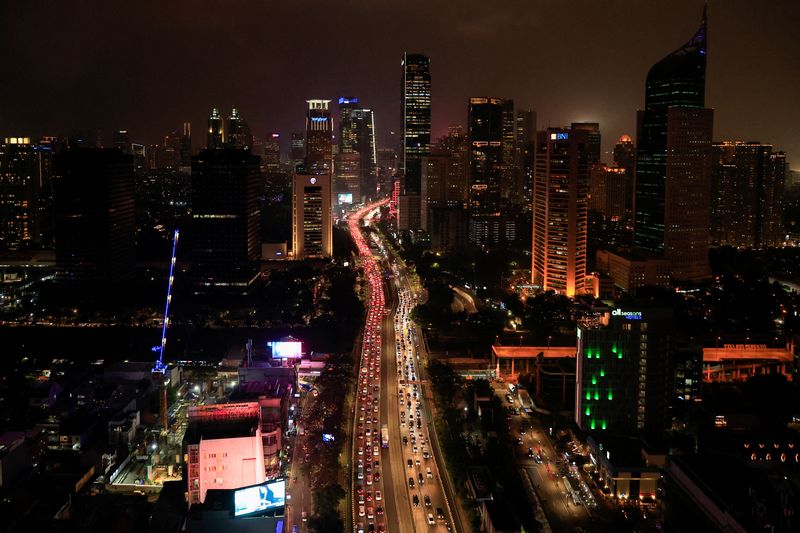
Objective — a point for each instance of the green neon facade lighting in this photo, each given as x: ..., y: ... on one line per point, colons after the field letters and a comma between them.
x: 603, y: 426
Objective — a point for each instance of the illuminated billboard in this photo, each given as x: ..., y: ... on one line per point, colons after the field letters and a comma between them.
x: 269, y: 495
x: 286, y: 349
x: 345, y: 198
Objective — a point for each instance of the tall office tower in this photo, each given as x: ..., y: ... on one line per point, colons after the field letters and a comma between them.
x: 625, y: 157
x: 747, y: 190
x: 167, y: 155
x: 319, y: 137
x: 491, y: 141
x: 239, y: 135
x: 508, y: 140
x: 298, y: 151
x: 415, y: 120
x: 524, y: 156
x: 593, y: 128
x: 22, y: 183
x: 348, y: 175
x: 271, y: 161
x: 122, y: 140
x: 186, y: 146
x: 94, y: 216
x: 560, y: 207
x: 226, y: 220
x: 347, y: 134
x: 607, y: 190
x: 364, y: 125
x: 673, y: 161
x: 139, y: 158
x: 312, y: 225
x: 386, y: 168
x: 216, y: 136
x: 625, y: 376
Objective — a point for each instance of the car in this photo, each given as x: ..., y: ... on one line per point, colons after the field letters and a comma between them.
x: 361, y: 511
x: 370, y: 513
x: 427, y: 501
x: 415, y: 500
x: 430, y: 474
x: 410, y: 463
x: 530, y: 452
x: 411, y: 482
x: 417, y: 461
x: 378, y: 496
x: 369, y: 495
x: 379, y: 511
x: 431, y: 521
x: 421, y: 479
x: 439, y: 513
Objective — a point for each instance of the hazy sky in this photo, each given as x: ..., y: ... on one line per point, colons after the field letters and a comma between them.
x: 150, y: 65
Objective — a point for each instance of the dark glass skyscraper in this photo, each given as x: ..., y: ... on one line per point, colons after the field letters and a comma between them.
x: 215, y: 135
x: 415, y: 107
x: 675, y: 83
x: 225, y: 219
x: 319, y: 137
x: 94, y: 216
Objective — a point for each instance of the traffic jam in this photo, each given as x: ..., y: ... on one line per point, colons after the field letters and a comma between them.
x: 367, y: 503
x: 416, y: 451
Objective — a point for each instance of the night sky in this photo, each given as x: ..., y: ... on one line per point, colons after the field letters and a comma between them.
x: 150, y: 65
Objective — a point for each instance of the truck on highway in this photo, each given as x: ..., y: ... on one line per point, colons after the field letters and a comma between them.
x: 384, y: 436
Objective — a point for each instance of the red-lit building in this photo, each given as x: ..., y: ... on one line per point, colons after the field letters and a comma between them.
x: 223, y: 448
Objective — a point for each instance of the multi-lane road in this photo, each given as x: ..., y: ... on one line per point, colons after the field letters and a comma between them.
x: 396, y: 481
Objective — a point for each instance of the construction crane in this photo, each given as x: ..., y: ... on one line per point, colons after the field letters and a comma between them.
x: 160, y: 368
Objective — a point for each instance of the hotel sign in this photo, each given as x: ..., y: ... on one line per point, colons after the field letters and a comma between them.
x: 627, y: 315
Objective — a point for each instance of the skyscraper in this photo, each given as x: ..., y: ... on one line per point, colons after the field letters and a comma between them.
x: 491, y: 142
x: 239, y: 136
x: 215, y: 130
x: 186, y: 146
x: 347, y: 134
x: 672, y: 170
x: 415, y: 120
x: 271, y: 161
x: 363, y: 121
x: 746, y: 194
x: 593, y: 128
x: 319, y: 137
x: 94, y: 216
x: 24, y: 176
x: 625, y: 157
x: 225, y: 219
x: 524, y: 156
x: 298, y: 151
x: 560, y: 205
x: 312, y: 233
x: 607, y: 187
x: 356, y: 136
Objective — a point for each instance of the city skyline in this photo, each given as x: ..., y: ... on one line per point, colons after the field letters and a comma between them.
x: 110, y: 87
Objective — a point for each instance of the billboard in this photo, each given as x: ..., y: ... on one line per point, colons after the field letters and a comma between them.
x: 286, y: 349
x: 269, y: 495
x: 345, y: 198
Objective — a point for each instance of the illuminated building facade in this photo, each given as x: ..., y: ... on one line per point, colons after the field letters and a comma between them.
x: 215, y: 130
x: 560, y: 210
x: 94, y: 216
x: 223, y: 448
x: 225, y: 218
x: 25, y: 183
x: 626, y: 372
x: 238, y: 136
x: 298, y: 151
x: 747, y: 194
x: 673, y: 161
x: 312, y: 230
x: 319, y: 137
x: 593, y: 130
x: 415, y: 107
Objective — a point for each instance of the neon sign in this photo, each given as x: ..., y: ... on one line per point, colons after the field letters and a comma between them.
x: 559, y: 136
x: 627, y: 315
x: 319, y: 119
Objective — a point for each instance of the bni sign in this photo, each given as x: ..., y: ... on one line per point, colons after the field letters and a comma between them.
x: 627, y: 315
x: 562, y: 136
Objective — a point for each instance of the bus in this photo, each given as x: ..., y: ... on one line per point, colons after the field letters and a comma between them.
x: 384, y: 436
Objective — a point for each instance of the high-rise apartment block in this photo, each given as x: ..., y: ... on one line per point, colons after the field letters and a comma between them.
x: 747, y: 194
x: 560, y: 210
x: 415, y: 121
x: 25, y: 190
x: 312, y: 230
x: 608, y: 187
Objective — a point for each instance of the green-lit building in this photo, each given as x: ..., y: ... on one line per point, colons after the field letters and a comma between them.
x: 625, y: 372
